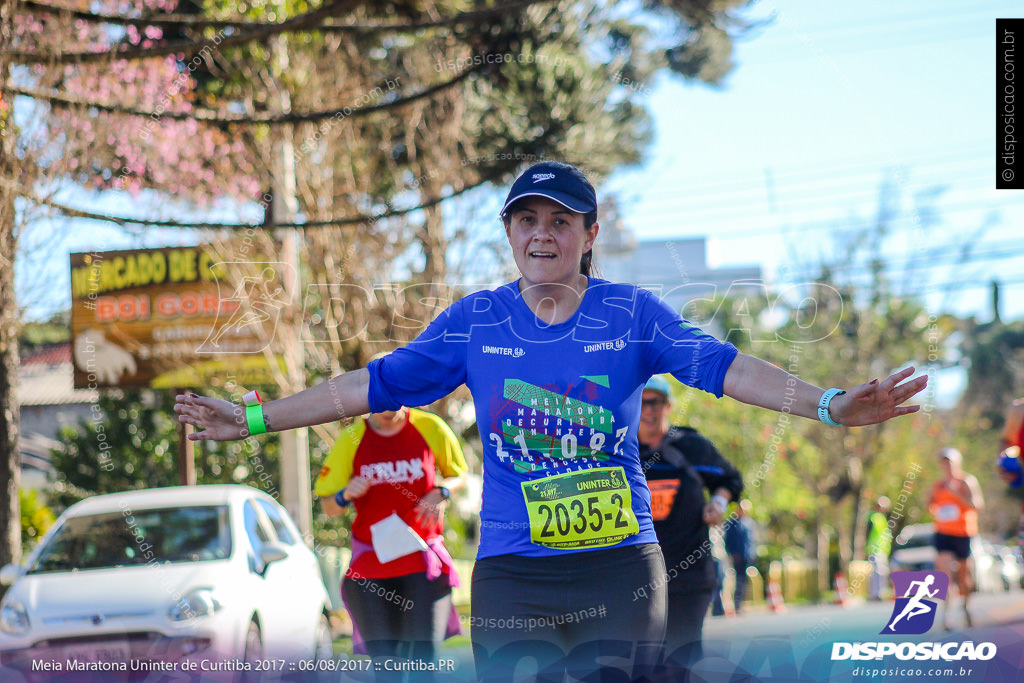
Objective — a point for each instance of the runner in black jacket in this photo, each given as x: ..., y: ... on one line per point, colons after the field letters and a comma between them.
x: 680, y: 464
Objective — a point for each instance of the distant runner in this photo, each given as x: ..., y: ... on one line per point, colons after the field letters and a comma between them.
x: 954, y: 503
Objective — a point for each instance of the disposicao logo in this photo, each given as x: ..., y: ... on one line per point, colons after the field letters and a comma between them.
x: 914, y: 613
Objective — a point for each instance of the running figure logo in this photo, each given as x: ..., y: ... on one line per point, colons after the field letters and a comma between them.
x: 259, y: 300
x: 914, y: 613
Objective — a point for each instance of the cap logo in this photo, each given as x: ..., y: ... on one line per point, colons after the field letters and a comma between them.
x: 537, y: 177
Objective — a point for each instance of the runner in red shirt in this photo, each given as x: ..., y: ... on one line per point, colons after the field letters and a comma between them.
x: 1010, y: 446
x: 385, y: 466
x: 1013, y: 430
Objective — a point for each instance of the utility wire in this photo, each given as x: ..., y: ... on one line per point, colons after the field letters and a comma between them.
x: 188, y: 21
x: 66, y: 101
x: 912, y: 263
x: 298, y: 23
x: 701, y: 225
x: 72, y: 212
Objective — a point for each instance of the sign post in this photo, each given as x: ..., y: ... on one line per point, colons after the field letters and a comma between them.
x: 169, y: 318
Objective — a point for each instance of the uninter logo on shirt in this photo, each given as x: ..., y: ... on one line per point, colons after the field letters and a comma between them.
x: 537, y: 177
x: 504, y: 351
x: 616, y: 345
x: 403, y: 471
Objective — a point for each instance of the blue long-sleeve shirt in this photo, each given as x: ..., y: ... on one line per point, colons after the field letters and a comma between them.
x: 552, y: 400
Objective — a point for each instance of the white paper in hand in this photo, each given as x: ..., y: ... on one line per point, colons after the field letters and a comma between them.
x: 392, y: 538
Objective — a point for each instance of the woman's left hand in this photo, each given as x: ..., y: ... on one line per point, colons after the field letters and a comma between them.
x: 875, y: 401
x: 431, y: 507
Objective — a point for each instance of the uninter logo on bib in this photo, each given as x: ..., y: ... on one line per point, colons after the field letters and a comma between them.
x: 914, y: 612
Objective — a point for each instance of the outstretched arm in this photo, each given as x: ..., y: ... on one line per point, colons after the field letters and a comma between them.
x: 219, y: 420
x: 757, y: 382
x: 974, y: 497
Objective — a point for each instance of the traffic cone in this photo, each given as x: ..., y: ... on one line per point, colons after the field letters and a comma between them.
x: 775, y: 602
x: 842, y: 588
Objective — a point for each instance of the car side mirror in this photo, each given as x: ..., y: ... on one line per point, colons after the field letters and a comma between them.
x: 11, y: 573
x: 272, y: 552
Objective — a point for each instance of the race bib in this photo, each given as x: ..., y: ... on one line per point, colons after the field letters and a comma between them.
x: 663, y: 495
x: 947, y: 513
x: 585, y: 509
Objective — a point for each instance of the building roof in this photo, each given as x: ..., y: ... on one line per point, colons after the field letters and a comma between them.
x: 50, y: 354
x: 47, y: 378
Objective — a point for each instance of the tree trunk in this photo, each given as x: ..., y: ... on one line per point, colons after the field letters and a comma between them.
x: 10, y: 509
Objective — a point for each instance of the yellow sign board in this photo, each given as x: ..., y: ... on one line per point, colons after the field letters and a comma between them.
x: 172, y: 317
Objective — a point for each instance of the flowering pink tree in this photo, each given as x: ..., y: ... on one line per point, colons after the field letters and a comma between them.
x: 107, y: 150
x: 385, y: 108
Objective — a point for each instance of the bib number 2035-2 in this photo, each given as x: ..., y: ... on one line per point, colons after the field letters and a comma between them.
x: 585, y: 509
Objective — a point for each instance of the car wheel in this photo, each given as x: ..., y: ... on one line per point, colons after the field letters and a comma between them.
x: 324, y: 644
x: 323, y: 651
x: 252, y: 654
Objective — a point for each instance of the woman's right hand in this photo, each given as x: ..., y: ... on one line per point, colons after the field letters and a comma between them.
x: 356, y: 488
x: 218, y: 420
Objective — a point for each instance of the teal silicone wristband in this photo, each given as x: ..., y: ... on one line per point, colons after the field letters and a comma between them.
x: 254, y: 417
x: 823, y: 405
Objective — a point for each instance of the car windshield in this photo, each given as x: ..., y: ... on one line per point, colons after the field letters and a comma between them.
x: 137, y: 537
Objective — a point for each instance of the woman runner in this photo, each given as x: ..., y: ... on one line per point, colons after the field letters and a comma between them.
x: 569, y: 573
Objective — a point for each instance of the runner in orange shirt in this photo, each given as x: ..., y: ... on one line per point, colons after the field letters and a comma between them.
x: 954, y: 503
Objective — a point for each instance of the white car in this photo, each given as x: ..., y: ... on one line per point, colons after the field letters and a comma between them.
x: 203, y: 577
x: 914, y: 550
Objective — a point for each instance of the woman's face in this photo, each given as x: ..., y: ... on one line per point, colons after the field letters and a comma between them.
x: 388, y: 421
x: 548, y: 241
x: 654, y: 414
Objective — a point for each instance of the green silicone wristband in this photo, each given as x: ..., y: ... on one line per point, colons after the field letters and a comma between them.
x: 254, y: 416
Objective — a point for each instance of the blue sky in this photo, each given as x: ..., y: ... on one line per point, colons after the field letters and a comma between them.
x: 827, y: 100
x: 777, y: 165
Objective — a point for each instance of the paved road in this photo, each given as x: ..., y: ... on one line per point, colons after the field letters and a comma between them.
x: 860, y: 619
x: 799, y: 643
x: 795, y: 646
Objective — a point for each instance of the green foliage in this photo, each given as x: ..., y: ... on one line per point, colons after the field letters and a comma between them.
x: 36, y: 518
x: 844, y: 328
x: 54, y: 330
x: 995, y: 355
x: 131, y: 442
